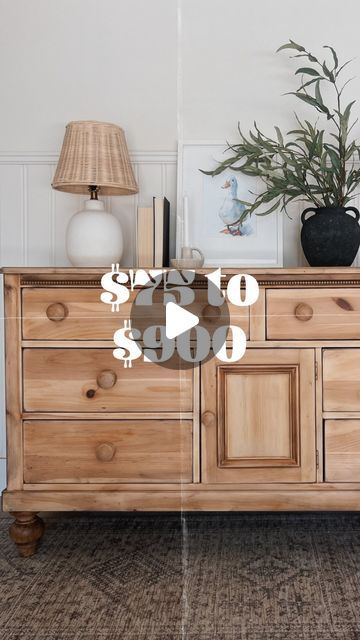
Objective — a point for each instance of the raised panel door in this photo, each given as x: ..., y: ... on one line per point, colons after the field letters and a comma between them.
x: 258, y: 420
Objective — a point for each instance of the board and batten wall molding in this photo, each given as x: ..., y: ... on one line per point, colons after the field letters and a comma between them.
x: 33, y: 217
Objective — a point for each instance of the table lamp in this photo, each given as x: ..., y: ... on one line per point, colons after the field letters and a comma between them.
x: 94, y: 159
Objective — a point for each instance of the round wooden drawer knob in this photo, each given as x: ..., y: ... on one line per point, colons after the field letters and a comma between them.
x: 57, y: 312
x: 106, y: 379
x: 208, y: 418
x: 304, y: 312
x: 105, y: 452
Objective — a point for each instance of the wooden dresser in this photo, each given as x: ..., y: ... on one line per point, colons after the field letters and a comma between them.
x: 279, y: 430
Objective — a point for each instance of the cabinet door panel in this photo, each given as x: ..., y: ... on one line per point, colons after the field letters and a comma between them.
x: 259, y: 418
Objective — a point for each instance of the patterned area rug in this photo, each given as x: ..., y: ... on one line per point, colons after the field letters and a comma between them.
x: 203, y: 577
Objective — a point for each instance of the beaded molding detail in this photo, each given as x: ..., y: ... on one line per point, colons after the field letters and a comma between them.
x: 262, y: 283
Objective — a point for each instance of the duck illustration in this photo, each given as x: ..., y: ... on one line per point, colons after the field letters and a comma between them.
x: 231, y: 211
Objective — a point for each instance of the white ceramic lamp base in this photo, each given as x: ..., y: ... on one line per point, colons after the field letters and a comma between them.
x: 94, y: 237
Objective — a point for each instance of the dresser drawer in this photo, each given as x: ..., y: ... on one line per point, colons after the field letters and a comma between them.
x: 313, y: 314
x: 79, y: 314
x: 108, y: 451
x: 76, y: 314
x: 93, y: 380
x: 342, y: 450
x: 341, y: 374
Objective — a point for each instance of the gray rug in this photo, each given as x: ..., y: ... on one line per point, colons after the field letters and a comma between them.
x: 209, y: 577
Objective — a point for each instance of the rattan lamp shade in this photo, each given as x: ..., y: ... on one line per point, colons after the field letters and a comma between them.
x: 94, y: 154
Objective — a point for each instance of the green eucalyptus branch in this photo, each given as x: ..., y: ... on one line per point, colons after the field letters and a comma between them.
x: 307, y: 163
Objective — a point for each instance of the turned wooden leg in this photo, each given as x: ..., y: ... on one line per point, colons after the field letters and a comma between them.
x: 26, y: 532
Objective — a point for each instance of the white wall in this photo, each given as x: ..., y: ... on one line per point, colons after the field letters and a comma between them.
x: 67, y: 60
x: 162, y: 69
x: 230, y: 68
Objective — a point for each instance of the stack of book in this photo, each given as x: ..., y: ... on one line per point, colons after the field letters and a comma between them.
x: 153, y: 227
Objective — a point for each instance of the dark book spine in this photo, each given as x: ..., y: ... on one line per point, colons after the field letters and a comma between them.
x: 166, y: 233
x: 153, y: 227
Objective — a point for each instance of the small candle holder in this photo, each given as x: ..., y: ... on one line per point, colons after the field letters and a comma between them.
x: 188, y: 259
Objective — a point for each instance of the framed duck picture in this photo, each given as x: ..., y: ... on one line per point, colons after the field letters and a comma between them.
x: 210, y: 216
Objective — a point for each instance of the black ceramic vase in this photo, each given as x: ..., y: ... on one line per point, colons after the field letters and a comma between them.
x: 331, y: 236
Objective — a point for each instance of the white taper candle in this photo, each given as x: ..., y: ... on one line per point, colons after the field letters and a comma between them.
x: 186, y: 221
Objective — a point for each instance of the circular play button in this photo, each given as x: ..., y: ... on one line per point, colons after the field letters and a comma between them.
x: 179, y: 319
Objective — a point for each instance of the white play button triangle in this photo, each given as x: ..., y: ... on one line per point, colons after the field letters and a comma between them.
x: 178, y: 320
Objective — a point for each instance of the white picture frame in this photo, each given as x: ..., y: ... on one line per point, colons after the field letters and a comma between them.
x: 207, y: 210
